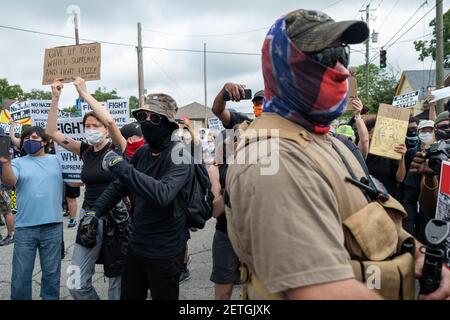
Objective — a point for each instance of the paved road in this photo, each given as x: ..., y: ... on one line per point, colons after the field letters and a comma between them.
x: 197, y: 288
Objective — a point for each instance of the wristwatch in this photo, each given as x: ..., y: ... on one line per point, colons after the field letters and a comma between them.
x: 358, y: 117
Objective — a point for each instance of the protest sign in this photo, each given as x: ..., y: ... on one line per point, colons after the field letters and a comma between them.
x: 19, y: 112
x: 390, y: 131
x: 352, y: 88
x: 72, y: 61
x: 5, y: 124
x: 215, y: 123
x: 71, y: 164
x: 440, y: 94
x: 39, y: 110
x: 443, y: 205
x: 406, y: 100
x: 117, y: 108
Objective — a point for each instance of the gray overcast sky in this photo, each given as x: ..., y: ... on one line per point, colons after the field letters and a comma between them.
x: 180, y: 74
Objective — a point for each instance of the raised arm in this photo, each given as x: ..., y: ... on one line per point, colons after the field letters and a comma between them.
x: 52, y: 128
x: 102, y: 113
x: 363, y: 134
x: 236, y: 91
x: 15, y: 141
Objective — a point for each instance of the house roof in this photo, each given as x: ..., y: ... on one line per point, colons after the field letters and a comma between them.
x: 422, y: 79
x: 194, y: 110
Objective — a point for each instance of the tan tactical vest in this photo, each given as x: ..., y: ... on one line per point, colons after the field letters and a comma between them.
x: 373, y: 235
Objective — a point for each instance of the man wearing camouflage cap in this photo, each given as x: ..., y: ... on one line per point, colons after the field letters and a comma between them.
x: 305, y: 232
x: 157, y: 243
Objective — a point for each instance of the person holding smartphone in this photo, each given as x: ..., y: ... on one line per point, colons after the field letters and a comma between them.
x: 39, y: 184
x: 5, y: 197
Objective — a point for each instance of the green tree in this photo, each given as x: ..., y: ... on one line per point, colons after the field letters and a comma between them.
x: 134, y: 104
x: 102, y: 95
x: 36, y: 94
x: 428, y: 48
x: 8, y: 91
x: 382, y: 86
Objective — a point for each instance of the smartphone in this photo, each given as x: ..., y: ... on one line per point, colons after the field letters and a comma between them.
x: 5, y: 146
x: 247, y: 96
x: 180, y: 121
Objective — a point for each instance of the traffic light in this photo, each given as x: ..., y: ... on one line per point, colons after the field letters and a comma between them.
x: 382, y: 59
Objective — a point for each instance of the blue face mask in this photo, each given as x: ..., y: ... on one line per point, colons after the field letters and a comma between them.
x: 32, y: 146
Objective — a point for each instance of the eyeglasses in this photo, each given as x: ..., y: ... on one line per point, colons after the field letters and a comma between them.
x: 331, y: 56
x: 142, y: 116
x: 443, y: 127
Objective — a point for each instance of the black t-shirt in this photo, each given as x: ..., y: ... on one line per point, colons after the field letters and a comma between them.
x: 92, y: 174
x: 222, y: 220
x: 385, y: 170
x: 236, y: 118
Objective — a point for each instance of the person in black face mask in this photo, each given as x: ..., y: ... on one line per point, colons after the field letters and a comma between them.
x: 412, y: 137
x: 442, y: 126
x: 156, y: 182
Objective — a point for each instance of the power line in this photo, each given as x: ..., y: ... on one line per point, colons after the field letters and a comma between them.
x: 128, y: 44
x: 207, y: 35
x: 390, y: 12
x: 201, y: 51
x: 406, y: 23
x: 331, y: 5
x: 362, y: 6
x: 396, y: 41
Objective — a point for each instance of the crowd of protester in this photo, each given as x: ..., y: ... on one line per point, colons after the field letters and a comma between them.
x: 133, y: 217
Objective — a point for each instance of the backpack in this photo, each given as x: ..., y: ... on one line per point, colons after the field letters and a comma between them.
x: 200, y: 200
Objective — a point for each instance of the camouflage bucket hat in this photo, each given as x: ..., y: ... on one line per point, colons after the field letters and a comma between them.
x: 313, y: 31
x: 160, y: 103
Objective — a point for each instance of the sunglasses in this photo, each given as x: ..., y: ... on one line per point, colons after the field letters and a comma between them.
x: 142, y: 116
x: 331, y: 56
x: 443, y: 127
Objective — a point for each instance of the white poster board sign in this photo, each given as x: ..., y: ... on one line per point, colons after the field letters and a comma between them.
x: 118, y: 108
x: 71, y: 164
x: 215, y: 123
x: 406, y: 100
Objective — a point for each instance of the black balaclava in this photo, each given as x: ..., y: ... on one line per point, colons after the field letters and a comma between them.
x: 157, y: 136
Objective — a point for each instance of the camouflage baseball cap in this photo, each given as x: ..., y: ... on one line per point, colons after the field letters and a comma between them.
x: 313, y: 31
x: 160, y: 103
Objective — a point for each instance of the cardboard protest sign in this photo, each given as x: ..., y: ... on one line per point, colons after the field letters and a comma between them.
x: 390, y: 131
x: 443, y: 205
x: 71, y: 164
x: 406, y: 100
x: 72, y: 61
x: 352, y: 88
x: 215, y: 123
x: 118, y: 108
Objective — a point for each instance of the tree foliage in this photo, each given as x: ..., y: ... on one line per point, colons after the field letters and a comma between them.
x: 428, y: 48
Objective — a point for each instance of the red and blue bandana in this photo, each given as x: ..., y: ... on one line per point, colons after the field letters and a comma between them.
x: 299, y: 88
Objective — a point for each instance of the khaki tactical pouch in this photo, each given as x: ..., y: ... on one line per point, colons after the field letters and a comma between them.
x: 392, y: 279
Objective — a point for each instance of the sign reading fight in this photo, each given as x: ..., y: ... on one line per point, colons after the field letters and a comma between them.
x: 72, y: 61
x: 390, y: 131
x: 443, y: 205
x: 71, y: 164
x: 406, y: 100
x: 118, y: 108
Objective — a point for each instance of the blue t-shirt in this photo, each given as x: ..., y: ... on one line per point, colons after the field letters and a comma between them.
x: 39, y: 190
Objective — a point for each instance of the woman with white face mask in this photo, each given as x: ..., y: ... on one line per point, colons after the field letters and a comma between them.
x: 99, y: 126
x: 426, y: 133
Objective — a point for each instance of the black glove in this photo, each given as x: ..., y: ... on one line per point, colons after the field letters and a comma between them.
x: 110, y: 159
x: 88, y: 230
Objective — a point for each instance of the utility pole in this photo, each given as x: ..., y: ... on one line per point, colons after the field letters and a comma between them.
x: 367, y: 55
x: 204, y: 79
x: 75, y: 22
x: 439, y: 52
x: 140, y: 66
